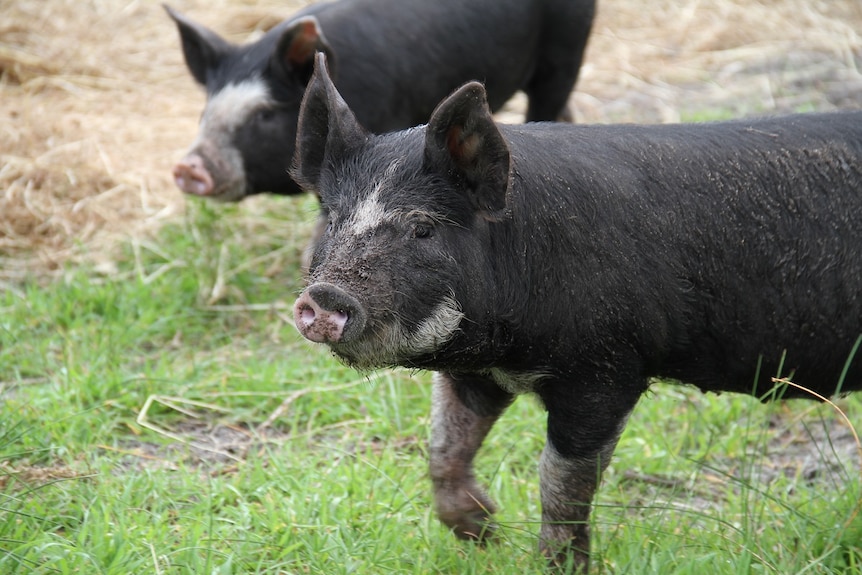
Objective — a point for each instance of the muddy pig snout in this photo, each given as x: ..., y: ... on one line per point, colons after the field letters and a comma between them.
x: 192, y: 177
x: 325, y: 313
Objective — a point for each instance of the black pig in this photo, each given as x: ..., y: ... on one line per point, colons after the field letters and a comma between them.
x: 393, y: 60
x: 576, y: 262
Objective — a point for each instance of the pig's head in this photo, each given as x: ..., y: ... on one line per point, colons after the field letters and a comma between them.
x: 253, y: 97
x: 400, y: 275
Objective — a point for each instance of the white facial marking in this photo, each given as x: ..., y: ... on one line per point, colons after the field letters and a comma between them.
x: 371, y: 212
x: 368, y: 215
x: 231, y: 106
x: 437, y: 329
x: 223, y: 114
x: 396, y: 344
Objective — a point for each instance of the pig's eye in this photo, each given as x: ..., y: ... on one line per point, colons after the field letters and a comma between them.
x: 265, y: 114
x: 422, y: 230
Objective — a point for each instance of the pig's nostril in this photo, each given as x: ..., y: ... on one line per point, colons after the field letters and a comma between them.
x: 307, y: 315
x: 338, y: 318
x: 192, y: 177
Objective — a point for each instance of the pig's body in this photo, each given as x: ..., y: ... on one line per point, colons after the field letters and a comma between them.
x: 576, y: 262
x: 393, y: 60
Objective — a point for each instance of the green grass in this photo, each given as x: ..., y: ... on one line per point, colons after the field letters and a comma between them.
x: 259, y: 453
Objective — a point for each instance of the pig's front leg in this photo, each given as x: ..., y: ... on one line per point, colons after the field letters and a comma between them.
x: 583, y: 428
x: 463, y: 410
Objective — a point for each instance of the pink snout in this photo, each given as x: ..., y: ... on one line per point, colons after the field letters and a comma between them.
x: 325, y: 313
x: 192, y: 177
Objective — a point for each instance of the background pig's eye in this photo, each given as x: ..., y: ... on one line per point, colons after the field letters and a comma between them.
x: 265, y: 114
x: 422, y: 231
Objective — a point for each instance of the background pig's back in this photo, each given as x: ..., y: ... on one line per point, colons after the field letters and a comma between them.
x: 506, y: 44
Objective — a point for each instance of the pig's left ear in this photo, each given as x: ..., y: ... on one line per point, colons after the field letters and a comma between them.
x: 203, y: 49
x: 294, y: 54
x: 462, y: 139
x: 327, y: 128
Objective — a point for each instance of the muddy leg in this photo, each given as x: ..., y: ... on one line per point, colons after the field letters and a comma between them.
x: 463, y: 411
x: 567, y: 490
x: 582, y: 434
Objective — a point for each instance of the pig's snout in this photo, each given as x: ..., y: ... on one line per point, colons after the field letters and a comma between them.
x: 192, y: 177
x: 325, y: 313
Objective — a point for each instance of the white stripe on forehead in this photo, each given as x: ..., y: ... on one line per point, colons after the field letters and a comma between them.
x: 371, y: 212
x: 231, y: 106
x: 368, y: 215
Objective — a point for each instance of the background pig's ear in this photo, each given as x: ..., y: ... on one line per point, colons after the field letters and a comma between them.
x: 327, y: 128
x: 461, y: 138
x: 294, y: 55
x: 202, y: 48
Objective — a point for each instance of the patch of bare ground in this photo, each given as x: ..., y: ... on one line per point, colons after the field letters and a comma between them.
x: 797, y: 446
x: 32, y: 476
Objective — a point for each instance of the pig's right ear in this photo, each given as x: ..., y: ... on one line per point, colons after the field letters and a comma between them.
x: 327, y: 128
x: 202, y: 48
x: 294, y: 56
x: 462, y: 141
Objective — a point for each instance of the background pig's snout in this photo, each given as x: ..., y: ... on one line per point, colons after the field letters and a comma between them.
x: 192, y: 177
x: 325, y: 313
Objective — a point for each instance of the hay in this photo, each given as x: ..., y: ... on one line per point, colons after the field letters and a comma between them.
x: 96, y: 104
x: 676, y: 59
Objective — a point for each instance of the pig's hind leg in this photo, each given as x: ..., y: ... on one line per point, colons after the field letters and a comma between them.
x: 548, y: 101
x: 463, y: 410
x: 559, y: 61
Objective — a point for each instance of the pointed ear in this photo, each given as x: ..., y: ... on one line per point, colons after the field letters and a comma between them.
x: 294, y: 54
x: 203, y: 49
x: 327, y: 128
x: 462, y: 139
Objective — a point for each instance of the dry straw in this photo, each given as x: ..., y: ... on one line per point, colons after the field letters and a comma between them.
x: 95, y: 103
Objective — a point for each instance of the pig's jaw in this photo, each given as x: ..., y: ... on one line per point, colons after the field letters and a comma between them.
x: 393, y: 344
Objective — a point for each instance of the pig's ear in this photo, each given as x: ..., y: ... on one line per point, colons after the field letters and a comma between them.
x: 294, y: 55
x: 202, y: 48
x: 327, y: 128
x: 461, y: 139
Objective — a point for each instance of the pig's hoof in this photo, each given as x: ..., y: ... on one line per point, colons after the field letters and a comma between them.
x: 566, y: 558
x: 474, y: 525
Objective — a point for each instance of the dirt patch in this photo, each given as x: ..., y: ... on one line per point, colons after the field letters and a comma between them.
x: 209, y: 445
x: 96, y: 104
x: 34, y: 476
x: 823, y: 452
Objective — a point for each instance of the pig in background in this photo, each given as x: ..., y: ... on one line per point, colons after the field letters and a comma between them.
x: 393, y: 61
x: 576, y: 262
